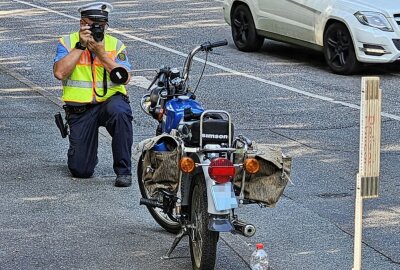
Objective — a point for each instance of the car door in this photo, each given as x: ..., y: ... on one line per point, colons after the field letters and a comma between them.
x: 291, y: 18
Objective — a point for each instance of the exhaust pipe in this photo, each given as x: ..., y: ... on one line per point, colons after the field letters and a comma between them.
x: 243, y: 228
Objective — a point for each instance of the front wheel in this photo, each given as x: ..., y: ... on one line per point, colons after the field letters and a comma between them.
x: 159, y: 216
x: 244, y: 32
x: 203, y: 242
x: 339, y: 50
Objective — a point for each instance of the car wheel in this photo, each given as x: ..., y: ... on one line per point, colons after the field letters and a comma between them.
x: 244, y: 31
x: 339, y: 50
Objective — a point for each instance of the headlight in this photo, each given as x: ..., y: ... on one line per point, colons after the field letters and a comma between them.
x: 374, y: 19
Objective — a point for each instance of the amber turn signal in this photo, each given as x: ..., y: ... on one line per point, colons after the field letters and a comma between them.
x: 187, y: 165
x: 251, y: 165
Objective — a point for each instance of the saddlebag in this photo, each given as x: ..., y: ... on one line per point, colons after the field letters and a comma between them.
x: 267, y: 185
x: 160, y: 168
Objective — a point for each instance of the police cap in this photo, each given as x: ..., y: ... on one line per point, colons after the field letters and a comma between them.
x: 97, y: 11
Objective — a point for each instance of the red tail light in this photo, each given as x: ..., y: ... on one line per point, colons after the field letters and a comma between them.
x: 221, y: 170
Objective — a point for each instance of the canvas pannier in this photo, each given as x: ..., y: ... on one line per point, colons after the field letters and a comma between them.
x: 160, y: 168
x: 267, y: 185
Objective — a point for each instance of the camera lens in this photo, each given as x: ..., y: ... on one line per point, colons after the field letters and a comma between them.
x: 98, y: 36
x: 97, y: 32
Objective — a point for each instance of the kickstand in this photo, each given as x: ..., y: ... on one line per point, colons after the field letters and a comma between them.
x: 177, y: 239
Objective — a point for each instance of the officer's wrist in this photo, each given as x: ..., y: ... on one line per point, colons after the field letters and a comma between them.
x: 101, y: 54
x: 80, y: 46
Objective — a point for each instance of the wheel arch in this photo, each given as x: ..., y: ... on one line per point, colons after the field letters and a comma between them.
x: 342, y: 21
x: 236, y: 4
x: 251, y: 40
x: 331, y: 21
x: 247, y: 4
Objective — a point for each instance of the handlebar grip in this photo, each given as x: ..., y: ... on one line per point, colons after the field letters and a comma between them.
x: 219, y: 43
x: 207, y: 46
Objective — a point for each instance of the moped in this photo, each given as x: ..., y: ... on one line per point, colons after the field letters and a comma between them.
x: 194, y: 173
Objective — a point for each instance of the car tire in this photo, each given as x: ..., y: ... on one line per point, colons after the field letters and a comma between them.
x: 244, y: 32
x: 339, y: 50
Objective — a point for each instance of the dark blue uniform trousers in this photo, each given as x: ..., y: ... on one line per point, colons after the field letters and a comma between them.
x: 115, y: 115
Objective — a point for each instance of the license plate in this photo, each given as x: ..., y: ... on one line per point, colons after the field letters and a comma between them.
x: 223, y: 196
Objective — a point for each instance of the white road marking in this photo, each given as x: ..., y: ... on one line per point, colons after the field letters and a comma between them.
x: 226, y: 69
x: 140, y: 81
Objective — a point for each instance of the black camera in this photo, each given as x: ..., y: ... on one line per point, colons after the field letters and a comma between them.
x: 97, y: 32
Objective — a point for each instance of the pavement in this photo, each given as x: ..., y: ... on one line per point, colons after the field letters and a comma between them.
x: 50, y: 220
x: 282, y: 95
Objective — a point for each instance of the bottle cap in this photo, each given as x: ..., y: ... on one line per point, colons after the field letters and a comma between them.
x: 259, y: 246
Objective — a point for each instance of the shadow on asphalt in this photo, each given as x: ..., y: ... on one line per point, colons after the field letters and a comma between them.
x: 293, y: 53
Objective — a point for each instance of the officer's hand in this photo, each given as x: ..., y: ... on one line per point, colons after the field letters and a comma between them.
x: 85, y: 35
x: 96, y: 47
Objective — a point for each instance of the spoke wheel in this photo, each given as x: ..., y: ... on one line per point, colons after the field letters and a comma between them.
x: 244, y: 32
x: 159, y: 216
x: 339, y: 50
x: 203, y: 242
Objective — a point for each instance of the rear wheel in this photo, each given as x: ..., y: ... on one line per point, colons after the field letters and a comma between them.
x: 203, y: 242
x: 244, y: 32
x: 339, y: 50
x: 159, y: 216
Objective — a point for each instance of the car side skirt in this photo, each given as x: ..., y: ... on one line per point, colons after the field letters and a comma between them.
x: 290, y: 40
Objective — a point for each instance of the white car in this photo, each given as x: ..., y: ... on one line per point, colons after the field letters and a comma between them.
x: 347, y: 31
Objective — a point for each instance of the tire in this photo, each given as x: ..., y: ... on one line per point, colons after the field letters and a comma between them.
x: 203, y: 242
x: 159, y: 216
x: 244, y: 32
x: 339, y: 50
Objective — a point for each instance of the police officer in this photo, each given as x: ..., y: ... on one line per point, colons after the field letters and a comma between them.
x: 83, y: 62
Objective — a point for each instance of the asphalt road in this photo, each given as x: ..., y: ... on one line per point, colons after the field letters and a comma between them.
x: 282, y: 95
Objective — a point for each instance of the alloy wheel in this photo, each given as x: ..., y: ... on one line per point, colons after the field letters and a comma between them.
x: 338, y: 46
x: 241, y: 27
x: 339, y: 50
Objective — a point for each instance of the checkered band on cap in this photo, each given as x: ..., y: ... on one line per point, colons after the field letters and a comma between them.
x: 96, y: 10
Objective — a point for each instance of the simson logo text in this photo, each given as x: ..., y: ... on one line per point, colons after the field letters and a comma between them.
x: 215, y: 136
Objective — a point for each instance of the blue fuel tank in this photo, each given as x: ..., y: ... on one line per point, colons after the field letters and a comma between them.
x: 175, y: 110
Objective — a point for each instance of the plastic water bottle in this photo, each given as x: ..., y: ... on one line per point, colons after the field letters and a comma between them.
x: 259, y: 259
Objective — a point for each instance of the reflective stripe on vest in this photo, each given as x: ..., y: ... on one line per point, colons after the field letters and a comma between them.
x: 83, y: 84
x: 79, y: 86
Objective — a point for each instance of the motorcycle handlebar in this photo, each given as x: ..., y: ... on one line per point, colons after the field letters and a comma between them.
x: 219, y: 43
x: 208, y: 46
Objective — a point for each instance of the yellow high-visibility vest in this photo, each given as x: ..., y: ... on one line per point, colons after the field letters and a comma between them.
x: 87, y: 77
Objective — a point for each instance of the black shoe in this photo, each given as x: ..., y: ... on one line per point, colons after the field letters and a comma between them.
x: 123, y: 181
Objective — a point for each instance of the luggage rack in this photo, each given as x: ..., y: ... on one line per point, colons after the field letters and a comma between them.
x: 229, y: 129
